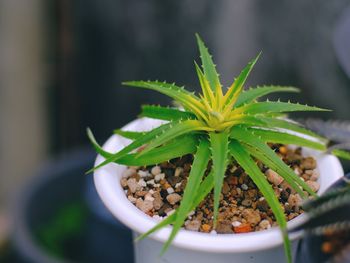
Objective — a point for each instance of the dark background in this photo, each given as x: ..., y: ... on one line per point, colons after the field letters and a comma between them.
x: 100, y: 44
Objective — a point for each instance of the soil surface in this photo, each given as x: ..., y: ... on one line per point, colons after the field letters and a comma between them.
x: 157, y: 191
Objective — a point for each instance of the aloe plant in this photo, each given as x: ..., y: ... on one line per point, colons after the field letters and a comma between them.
x: 218, y: 126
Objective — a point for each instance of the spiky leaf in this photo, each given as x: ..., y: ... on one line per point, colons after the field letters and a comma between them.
x: 255, y: 93
x: 246, y: 162
x: 219, y: 152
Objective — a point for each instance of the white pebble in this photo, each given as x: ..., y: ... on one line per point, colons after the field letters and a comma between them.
x: 149, y: 197
x: 213, y: 232
x: 178, y: 185
x: 244, y: 187
x: 296, y: 171
x: 143, y: 173
x: 129, y: 172
x: 236, y: 223
x: 191, y: 213
x: 159, y: 177
x: 142, y: 183
x: 170, y: 190
x: 151, y: 182
x: 156, y: 170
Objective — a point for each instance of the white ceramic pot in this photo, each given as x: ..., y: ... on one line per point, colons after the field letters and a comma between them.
x: 189, y: 246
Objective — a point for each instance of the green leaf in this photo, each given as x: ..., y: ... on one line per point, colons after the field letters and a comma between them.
x: 134, y: 145
x: 187, y: 99
x: 246, y: 120
x: 279, y: 166
x: 286, y: 124
x: 176, y: 148
x: 204, y: 189
x: 95, y: 144
x: 254, y: 93
x: 200, y: 164
x: 165, y: 113
x: 341, y: 154
x: 272, y: 107
x: 250, y: 167
x: 132, y: 135
x: 174, y: 131
x: 219, y: 151
x: 237, y: 86
x: 207, y: 92
x: 209, y: 67
x: 286, y: 138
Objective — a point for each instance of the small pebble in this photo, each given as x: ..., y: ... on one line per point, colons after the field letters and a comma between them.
x: 151, y: 182
x: 159, y: 177
x: 265, y: 224
x: 156, y: 170
x: 236, y: 223
x: 142, y: 183
x: 206, y: 228
x: 170, y: 190
x: 124, y: 182
x: 193, y: 225
x: 173, y: 198
x: 251, y: 215
x: 178, y: 171
x: 294, y: 200
x: 144, y: 206
x: 149, y: 197
x: 308, y: 163
x: 129, y: 172
x: 224, y: 227
x: 244, y: 187
x: 178, y: 185
x: 158, y: 201
x: 273, y: 177
x: 133, y: 185
x: 143, y: 173
x: 247, y: 202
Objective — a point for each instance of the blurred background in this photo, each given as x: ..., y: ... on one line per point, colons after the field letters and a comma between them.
x: 61, y: 65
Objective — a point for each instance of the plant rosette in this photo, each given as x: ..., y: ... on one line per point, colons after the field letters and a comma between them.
x: 190, y: 246
x: 216, y: 127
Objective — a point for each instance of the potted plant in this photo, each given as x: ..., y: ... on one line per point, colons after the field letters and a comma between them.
x: 220, y: 130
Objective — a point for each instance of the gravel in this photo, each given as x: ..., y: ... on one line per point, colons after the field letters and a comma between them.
x: 157, y: 191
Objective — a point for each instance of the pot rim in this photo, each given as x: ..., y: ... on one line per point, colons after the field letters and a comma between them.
x: 107, y: 182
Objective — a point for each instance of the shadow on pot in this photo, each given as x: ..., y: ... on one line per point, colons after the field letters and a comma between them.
x: 59, y: 217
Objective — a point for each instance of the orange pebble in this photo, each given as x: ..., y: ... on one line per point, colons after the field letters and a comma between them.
x: 283, y: 149
x: 243, y: 228
x: 206, y: 228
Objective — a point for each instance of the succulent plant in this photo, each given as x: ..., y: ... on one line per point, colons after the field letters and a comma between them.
x: 218, y: 126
